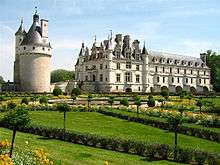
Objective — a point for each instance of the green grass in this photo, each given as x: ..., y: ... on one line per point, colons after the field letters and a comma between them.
x: 143, y: 115
x: 75, y: 154
x: 96, y: 123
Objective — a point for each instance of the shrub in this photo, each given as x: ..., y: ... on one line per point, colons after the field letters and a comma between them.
x: 200, y: 157
x: 151, y: 102
x: 43, y: 100
x: 57, y: 91
x: 184, y: 155
x: 213, y: 159
x: 165, y: 94
x: 11, y: 105
x: 76, y: 91
x: 124, y: 102
x: 25, y: 100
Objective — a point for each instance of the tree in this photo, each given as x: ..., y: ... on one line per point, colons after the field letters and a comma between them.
x: 174, y: 121
x: 1, y: 80
x: 89, y: 99
x: 63, y: 107
x: 111, y: 100
x: 199, y: 103
x: 124, y: 102
x: 62, y: 75
x: 212, y: 61
x: 165, y: 93
x: 15, y: 118
x: 137, y: 102
x: 57, y: 91
x: 151, y: 101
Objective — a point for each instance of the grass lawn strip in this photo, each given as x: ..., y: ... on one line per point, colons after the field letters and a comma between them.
x: 95, y: 123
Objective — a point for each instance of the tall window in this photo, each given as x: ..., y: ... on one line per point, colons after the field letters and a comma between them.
x: 86, y: 78
x: 101, y: 77
x: 191, y: 71
x: 178, y: 80
x: 186, y: 80
x: 118, y: 66
x: 156, y: 69
x: 170, y: 70
x: 137, y: 67
x: 158, y: 79
x: 137, y: 78
x: 191, y: 80
x: 204, y: 72
x: 184, y: 71
x: 163, y: 69
x: 163, y: 79
x: 178, y: 70
x: 93, y: 77
x: 128, y: 77
x: 101, y: 66
x: 118, y: 77
x: 200, y: 81
x: 128, y: 65
x: 137, y: 56
x: 172, y: 80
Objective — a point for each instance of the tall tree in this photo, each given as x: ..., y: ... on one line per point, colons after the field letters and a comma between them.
x: 64, y: 107
x: 212, y: 61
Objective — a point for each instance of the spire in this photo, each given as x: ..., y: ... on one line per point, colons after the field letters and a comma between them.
x: 144, y: 51
x: 35, y: 16
x: 20, y: 29
x: 95, y: 38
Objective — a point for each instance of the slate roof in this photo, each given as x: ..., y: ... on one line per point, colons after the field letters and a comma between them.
x: 174, y: 56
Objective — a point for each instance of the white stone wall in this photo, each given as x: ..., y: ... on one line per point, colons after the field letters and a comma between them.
x: 35, y: 72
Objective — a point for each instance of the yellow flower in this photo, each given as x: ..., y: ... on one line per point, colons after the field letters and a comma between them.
x: 106, y: 163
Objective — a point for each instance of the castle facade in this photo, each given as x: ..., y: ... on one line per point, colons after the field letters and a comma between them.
x: 120, y: 65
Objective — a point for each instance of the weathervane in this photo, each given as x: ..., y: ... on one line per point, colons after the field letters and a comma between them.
x: 35, y: 9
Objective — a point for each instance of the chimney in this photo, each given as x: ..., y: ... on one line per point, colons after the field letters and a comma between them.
x: 44, y: 27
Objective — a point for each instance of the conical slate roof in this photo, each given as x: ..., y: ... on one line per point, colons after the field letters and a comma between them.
x: 34, y: 35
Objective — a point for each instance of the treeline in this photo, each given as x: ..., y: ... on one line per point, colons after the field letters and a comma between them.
x: 61, y: 75
x: 1, y: 80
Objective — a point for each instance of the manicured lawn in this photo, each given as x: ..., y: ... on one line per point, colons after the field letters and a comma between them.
x: 143, y: 115
x: 96, y: 123
x: 76, y: 154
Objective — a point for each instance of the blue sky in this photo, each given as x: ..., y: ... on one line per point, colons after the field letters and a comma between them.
x: 185, y: 27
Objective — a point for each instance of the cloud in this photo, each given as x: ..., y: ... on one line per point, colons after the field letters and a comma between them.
x: 67, y: 44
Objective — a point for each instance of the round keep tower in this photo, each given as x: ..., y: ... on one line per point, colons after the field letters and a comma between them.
x: 33, y: 58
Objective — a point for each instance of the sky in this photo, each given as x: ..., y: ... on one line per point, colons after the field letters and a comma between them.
x: 186, y: 27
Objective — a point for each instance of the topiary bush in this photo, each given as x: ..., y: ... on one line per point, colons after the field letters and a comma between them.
x: 57, y: 91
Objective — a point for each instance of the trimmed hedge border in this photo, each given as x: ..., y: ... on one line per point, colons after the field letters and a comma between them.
x: 154, y: 151
x: 197, y: 132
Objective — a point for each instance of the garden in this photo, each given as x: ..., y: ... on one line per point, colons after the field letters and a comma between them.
x: 109, y: 128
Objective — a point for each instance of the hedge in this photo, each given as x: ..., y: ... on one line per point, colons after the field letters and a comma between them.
x: 153, y: 151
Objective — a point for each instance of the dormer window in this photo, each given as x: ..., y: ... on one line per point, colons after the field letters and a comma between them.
x: 33, y: 48
x: 24, y: 48
x: 43, y: 48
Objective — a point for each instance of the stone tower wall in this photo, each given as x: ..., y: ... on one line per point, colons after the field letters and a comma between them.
x: 35, y: 72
